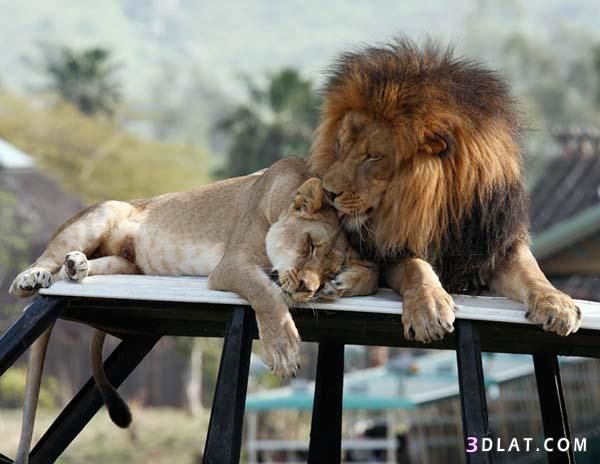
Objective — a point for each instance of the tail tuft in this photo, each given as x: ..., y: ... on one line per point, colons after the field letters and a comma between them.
x: 117, y: 408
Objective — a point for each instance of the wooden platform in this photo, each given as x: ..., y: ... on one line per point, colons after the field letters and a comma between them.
x: 184, y: 306
x: 195, y: 290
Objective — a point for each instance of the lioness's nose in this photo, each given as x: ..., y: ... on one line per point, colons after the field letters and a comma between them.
x: 309, y: 282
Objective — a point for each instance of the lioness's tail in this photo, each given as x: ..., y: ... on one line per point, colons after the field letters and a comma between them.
x: 32, y: 392
x: 117, y: 407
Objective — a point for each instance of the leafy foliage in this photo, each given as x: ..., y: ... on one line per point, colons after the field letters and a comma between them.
x: 277, y: 121
x: 95, y: 158
x: 86, y: 78
x: 12, y: 389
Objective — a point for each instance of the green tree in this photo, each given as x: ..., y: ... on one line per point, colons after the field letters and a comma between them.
x: 277, y: 121
x: 86, y: 78
x: 95, y: 158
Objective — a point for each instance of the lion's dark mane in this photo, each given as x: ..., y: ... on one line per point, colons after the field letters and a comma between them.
x: 494, y: 219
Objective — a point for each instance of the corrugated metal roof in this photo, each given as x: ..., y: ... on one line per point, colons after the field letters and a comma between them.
x: 13, y: 158
x: 567, y: 186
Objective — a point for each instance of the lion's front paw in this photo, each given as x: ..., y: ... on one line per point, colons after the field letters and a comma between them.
x: 76, y: 266
x: 29, y: 281
x: 428, y: 313
x: 280, y: 343
x: 554, y: 310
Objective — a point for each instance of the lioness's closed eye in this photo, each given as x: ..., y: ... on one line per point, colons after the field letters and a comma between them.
x: 236, y: 231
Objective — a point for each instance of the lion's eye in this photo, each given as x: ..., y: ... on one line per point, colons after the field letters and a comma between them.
x: 373, y: 157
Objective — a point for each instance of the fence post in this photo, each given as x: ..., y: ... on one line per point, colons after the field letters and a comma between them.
x: 552, y: 405
x: 472, y: 392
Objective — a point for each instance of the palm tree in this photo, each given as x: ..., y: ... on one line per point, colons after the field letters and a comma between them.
x: 277, y: 121
x: 86, y: 78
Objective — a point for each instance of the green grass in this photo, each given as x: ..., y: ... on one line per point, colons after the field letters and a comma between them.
x: 157, y: 435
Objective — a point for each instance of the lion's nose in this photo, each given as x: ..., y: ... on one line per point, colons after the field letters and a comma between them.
x: 331, y: 194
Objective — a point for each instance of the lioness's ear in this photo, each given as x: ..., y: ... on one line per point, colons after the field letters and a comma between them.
x: 309, y: 198
x: 438, y: 144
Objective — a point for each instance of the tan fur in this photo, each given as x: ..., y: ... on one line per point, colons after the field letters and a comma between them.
x: 275, y: 220
x: 521, y: 279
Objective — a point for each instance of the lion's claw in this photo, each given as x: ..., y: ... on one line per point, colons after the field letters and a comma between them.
x: 554, y: 311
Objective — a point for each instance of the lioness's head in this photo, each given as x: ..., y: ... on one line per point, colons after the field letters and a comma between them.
x: 306, y: 245
x: 409, y: 138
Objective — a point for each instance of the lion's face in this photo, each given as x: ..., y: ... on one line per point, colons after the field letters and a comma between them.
x: 386, y: 180
x: 306, y: 245
x: 360, y: 168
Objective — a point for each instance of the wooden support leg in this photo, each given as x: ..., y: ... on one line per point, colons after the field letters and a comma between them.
x: 224, y: 438
x: 326, y: 426
x: 123, y: 360
x: 37, y: 317
x: 552, y: 405
x: 472, y: 392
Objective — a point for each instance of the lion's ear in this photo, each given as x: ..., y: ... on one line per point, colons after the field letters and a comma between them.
x: 438, y: 144
x: 309, y: 198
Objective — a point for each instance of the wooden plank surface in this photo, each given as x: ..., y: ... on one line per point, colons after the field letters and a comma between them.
x: 195, y: 290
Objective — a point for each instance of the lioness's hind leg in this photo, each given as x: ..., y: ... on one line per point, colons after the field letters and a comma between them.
x: 77, y: 266
x: 84, y: 232
x: 29, y: 281
x: 112, y: 265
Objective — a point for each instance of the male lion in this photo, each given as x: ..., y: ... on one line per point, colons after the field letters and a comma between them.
x: 236, y: 231
x: 419, y: 153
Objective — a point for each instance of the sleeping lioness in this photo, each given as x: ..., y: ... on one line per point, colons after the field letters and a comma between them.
x: 237, y: 231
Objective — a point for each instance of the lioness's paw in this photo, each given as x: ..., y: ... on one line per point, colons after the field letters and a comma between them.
x: 280, y: 343
x: 330, y: 291
x: 76, y: 266
x: 338, y: 286
x: 29, y: 281
x: 554, y: 310
x: 428, y: 313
